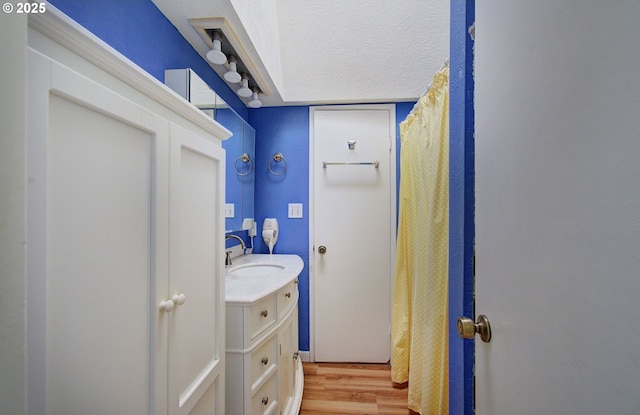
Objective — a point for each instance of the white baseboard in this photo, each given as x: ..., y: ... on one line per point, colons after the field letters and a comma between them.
x: 305, y: 356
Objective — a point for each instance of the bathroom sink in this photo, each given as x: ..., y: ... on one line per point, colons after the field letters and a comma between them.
x: 254, y: 270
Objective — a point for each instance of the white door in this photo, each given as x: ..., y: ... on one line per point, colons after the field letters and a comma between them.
x: 558, y: 207
x: 196, y: 327
x: 353, y: 231
x: 95, y: 262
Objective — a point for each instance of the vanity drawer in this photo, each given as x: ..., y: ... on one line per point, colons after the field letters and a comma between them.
x: 264, y: 401
x: 262, y: 315
x: 287, y: 297
x: 263, y: 359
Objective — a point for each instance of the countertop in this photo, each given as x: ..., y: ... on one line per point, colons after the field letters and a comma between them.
x: 247, y: 290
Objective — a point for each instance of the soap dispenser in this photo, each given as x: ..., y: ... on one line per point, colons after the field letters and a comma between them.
x: 270, y: 232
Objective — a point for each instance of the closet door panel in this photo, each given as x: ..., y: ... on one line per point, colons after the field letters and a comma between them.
x: 99, y: 270
x: 94, y: 250
x: 196, y: 272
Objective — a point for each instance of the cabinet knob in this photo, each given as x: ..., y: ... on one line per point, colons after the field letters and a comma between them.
x: 264, y: 313
x: 179, y: 299
x: 166, y: 306
x: 265, y: 400
x: 288, y: 295
x: 265, y: 360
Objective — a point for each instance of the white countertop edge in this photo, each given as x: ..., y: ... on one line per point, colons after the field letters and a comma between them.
x: 244, y: 291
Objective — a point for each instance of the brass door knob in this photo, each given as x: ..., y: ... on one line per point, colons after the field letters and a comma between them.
x: 467, y: 328
x: 322, y: 249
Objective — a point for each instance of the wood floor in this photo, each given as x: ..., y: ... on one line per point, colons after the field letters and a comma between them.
x: 331, y: 388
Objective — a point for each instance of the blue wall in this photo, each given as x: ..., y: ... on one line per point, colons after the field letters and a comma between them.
x: 284, y: 130
x: 461, y: 205
x: 154, y: 44
x: 138, y: 30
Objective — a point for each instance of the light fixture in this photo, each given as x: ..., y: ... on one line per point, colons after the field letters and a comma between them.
x: 245, y: 91
x: 255, y: 102
x: 215, y: 55
x: 232, y: 74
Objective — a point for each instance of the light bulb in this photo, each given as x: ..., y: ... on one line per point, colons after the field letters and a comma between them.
x: 245, y: 91
x: 232, y: 74
x: 215, y: 55
x: 255, y: 102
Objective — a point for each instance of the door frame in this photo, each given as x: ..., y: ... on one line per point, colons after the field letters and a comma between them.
x: 461, y: 205
x: 392, y: 190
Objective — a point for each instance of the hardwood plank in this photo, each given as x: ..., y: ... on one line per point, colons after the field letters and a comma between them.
x: 351, y: 388
x: 314, y: 382
x: 340, y: 396
x: 338, y: 407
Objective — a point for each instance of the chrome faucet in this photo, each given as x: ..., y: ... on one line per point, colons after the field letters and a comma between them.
x: 227, y: 261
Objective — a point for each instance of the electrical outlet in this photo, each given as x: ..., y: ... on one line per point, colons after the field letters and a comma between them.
x: 295, y: 210
x: 229, y: 210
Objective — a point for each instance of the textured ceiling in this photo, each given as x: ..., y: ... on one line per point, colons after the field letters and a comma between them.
x: 330, y: 51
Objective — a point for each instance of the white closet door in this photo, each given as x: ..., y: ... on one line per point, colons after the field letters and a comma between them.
x: 94, y: 259
x: 196, y: 329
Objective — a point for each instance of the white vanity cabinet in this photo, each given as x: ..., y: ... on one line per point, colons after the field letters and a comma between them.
x: 125, y: 235
x: 264, y: 373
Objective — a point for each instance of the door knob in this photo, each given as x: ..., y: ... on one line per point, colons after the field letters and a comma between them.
x: 322, y: 249
x: 166, y: 306
x: 179, y: 299
x: 467, y: 328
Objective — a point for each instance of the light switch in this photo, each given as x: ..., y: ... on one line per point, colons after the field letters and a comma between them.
x: 295, y: 210
x: 229, y: 210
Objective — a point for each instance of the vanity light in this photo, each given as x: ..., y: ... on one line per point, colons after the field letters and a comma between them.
x: 245, y: 91
x: 232, y: 74
x: 215, y: 55
x: 255, y: 102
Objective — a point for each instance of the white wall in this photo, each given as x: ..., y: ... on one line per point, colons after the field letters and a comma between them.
x: 13, y: 37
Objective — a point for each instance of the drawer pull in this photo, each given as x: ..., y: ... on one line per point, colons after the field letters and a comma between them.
x: 264, y: 313
x: 265, y: 400
x: 265, y: 360
x: 288, y: 295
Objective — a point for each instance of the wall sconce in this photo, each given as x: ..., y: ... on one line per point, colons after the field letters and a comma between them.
x: 222, y: 48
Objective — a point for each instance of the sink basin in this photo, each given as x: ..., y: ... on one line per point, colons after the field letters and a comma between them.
x: 254, y: 270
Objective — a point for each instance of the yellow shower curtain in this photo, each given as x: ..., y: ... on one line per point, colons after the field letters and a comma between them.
x: 419, y: 321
